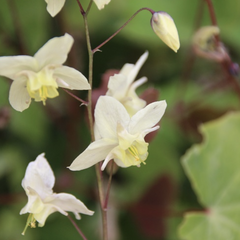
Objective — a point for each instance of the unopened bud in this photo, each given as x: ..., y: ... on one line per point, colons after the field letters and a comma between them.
x: 164, y: 26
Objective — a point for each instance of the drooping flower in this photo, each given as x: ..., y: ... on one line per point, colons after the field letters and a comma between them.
x: 54, y: 6
x: 122, y: 86
x: 38, y: 77
x: 119, y: 136
x: 205, y: 44
x: 42, y: 201
x: 101, y: 3
x: 165, y: 28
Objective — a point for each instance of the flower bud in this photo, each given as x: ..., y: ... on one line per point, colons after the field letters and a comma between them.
x: 164, y: 26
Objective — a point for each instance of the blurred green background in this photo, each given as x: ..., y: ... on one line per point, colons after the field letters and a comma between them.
x: 147, y: 202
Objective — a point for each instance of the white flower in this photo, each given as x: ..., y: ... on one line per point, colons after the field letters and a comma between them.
x: 42, y: 201
x: 164, y: 26
x: 122, y: 87
x: 54, y: 6
x: 119, y: 136
x: 101, y: 3
x: 39, y: 76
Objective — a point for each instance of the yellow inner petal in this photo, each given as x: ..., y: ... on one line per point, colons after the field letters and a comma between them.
x: 132, y: 149
x: 41, y: 86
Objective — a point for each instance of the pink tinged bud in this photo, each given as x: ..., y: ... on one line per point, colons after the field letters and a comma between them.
x: 164, y: 26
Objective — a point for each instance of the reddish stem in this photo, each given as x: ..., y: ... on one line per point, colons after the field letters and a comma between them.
x: 81, y: 8
x: 77, y: 228
x: 99, y: 46
x: 74, y: 96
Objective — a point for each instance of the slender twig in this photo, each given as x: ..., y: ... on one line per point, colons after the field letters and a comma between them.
x: 213, y: 19
x: 109, y: 186
x: 81, y: 7
x: 99, y: 46
x: 76, y: 226
x: 89, y: 7
x: 228, y: 62
x: 74, y: 96
x: 90, y: 117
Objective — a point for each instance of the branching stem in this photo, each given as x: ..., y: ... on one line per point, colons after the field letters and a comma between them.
x: 124, y: 25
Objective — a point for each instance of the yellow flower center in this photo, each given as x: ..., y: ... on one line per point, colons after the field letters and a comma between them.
x: 42, y: 85
x: 133, y: 151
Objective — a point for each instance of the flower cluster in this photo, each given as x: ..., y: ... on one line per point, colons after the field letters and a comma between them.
x: 122, y: 118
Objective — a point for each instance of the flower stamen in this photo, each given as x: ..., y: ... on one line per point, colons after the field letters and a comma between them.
x: 134, y: 152
x: 31, y: 222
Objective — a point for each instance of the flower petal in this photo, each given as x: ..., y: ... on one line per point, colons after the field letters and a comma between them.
x: 39, y: 176
x: 109, y: 112
x: 18, y: 96
x: 70, y: 78
x: 147, y: 117
x: 134, y: 103
x: 134, y: 71
x: 54, y: 6
x: 54, y: 51
x: 34, y: 204
x: 96, y: 152
x: 101, y: 3
x: 68, y: 202
x: 119, y: 84
x: 11, y: 66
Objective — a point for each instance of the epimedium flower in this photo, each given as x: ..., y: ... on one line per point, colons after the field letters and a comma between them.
x: 165, y: 28
x: 122, y: 86
x: 42, y: 201
x: 38, y: 77
x: 119, y: 136
x: 54, y: 6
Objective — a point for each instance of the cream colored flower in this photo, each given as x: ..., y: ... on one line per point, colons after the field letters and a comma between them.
x: 119, y: 136
x: 42, y: 201
x: 122, y: 86
x: 164, y: 26
x: 38, y: 77
x: 101, y: 3
x: 54, y: 6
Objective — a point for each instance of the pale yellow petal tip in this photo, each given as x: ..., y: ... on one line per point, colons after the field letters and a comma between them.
x: 54, y: 6
x: 165, y: 28
x: 101, y: 3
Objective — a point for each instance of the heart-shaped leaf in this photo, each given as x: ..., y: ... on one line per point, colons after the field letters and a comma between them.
x: 213, y: 168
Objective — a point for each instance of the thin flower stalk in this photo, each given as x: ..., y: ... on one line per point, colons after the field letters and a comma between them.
x: 124, y: 25
x: 90, y: 117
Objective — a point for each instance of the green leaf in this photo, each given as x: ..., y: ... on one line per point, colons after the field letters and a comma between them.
x: 213, y: 169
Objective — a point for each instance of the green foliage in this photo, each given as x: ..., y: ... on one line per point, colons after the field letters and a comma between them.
x: 213, y: 169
